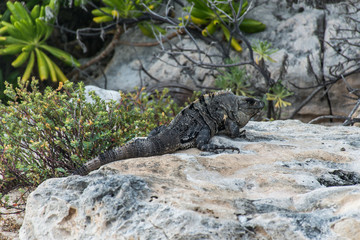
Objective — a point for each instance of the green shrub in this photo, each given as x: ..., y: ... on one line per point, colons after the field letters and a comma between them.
x: 263, y: 51
x: 237, y: 79
x: 278, y: 93
x: 49, y: 134
x: 234, y: 78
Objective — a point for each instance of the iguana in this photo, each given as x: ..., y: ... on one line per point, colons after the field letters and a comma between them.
x: 216, y: 113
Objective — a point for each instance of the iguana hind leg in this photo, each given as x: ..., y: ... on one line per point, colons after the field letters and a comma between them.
x: 157, y: 130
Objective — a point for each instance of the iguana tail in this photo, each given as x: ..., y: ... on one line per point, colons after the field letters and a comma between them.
x: 141, y: 147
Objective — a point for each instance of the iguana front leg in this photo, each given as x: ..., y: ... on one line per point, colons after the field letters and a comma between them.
x: 232, y: 129
x: 202, y: 142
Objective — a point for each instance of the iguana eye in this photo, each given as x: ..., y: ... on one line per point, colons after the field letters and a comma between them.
x: 250, y: 101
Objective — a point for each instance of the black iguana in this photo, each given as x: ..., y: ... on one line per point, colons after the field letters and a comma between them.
x: 215, y: 113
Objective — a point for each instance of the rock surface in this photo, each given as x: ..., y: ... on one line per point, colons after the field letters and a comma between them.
x: 125, y: 70
x: 290, y: 181
x: 106, y: 95
x: 302, y: 34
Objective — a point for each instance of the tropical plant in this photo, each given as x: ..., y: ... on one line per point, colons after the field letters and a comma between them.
x: 211, y: 15
x: 263, y: 50
x: 278, y: 93
x: 25, y: 36
x: 78, y: 2
x: 128, y: 9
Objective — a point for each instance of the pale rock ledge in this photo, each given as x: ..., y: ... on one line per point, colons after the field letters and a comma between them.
x: 290, y: 181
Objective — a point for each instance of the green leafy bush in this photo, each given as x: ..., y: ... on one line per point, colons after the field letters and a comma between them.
x: 278, y: 93
x: 237, y: 79
x: 49, y: 134
x: 263, y: 51
x: 234, y: 78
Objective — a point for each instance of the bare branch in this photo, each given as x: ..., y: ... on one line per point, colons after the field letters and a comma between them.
x: 109, y: 48
x: 349, y: 119
x: 351, y: 90
x: 306, y: 101
x: 352, y: 121
x: 149, y: 44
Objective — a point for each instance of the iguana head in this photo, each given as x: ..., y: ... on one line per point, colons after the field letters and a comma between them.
x: 225, y: 104
x: 242, y: 109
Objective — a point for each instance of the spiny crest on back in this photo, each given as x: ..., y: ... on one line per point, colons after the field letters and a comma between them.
x: 217, y: 93
x: 213, y: 94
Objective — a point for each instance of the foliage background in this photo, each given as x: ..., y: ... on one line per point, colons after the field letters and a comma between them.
x: 49, y: 134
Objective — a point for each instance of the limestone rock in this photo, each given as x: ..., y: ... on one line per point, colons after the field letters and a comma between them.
x: 104, y: 94
x: 302, y: 32
x: 183, y: 71
x: 290, y: 181
x: 124, y: 71
x: 293, y: 32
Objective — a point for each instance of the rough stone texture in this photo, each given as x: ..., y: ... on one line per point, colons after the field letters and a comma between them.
x: 339, y: 17
x: 290, y: 181
x: 124, y: 70
x: 301, y: 33
x: 293, y: 32
x: 166, y: 69
x: 106, y: 95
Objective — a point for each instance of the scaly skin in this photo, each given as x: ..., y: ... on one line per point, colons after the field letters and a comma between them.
x: 212, y: 114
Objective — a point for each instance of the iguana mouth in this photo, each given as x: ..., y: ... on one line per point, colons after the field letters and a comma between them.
x: 259, y: 105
